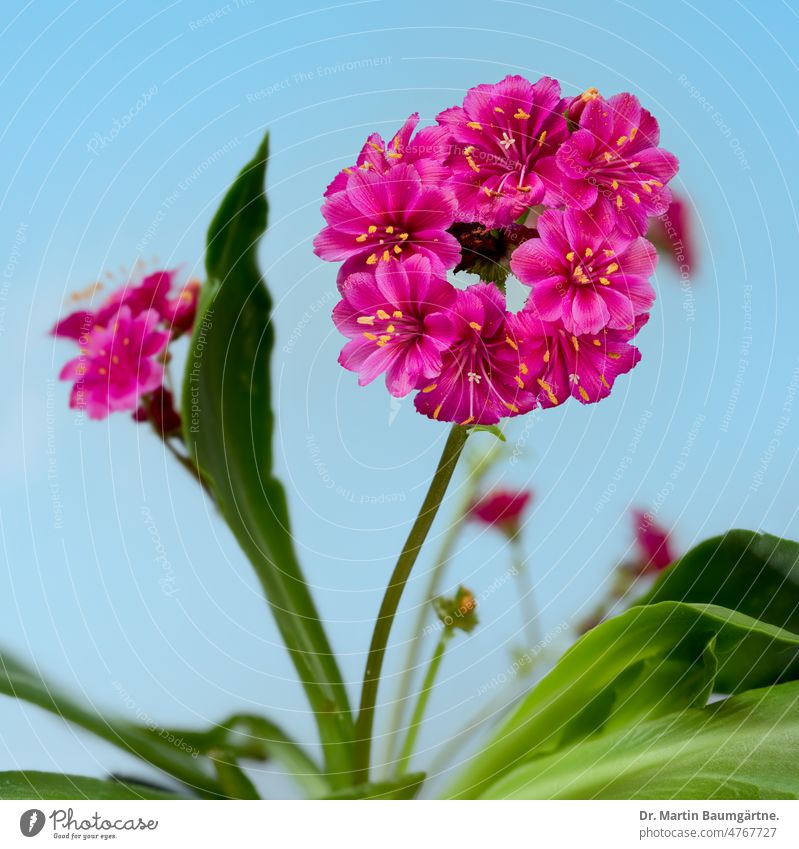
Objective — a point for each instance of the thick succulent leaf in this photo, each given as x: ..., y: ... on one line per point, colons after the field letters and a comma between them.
x: 646, y: 663
x: 741, y: 748
x: 174, y: 758
x: 54, y: 785
x: 228, y: 426
x: 756, y: 574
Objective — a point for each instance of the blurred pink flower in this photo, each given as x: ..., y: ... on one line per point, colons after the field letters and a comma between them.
x: 501, y: 508
x: 116, y: 366
x: 654, y: 549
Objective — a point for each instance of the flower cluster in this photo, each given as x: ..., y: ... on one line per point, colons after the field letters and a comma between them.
x: 558, y: 190
x: 124, y: 348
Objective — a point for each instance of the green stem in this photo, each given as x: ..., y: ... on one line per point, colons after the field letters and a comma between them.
x: 421, y: 704
x: 472, y: 484
x: 391, y: 599
x: 527, y: 605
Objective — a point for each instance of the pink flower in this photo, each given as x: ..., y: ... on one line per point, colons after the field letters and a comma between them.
x: 501, y: 508
x: 116, y: 367
x: 577, y: 104
x: 151, y: 293
x: 613, y: 166
x: 502, y: 137
x: 385, y: 218
x: 182, y: 309
x: 483, y: 377
x: 426, y: 151
x: 654, y: 549
x: 673, y: 234
x: 584, y: 277
x: 398, y: 320
x: 565, y: 364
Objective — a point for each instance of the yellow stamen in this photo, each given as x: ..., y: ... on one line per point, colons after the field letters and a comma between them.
x: 583, y: 394
x: 570, y: 256
x: 382, y: 315
x: 362, y: 238
x: 372, y: 259
x: 437, y: 411
x: 512, y: 407
x: 474, y: 125
x: 396, y: 314
x: 365, y: 319
x: 575, y: 343
x: 620, y: 140
x: 511, y: 343
x: 386, y: 256
x: 636, y: 198
x: 519, y: 381
x: 475, y: 326
x: 389, y: 229
x: 370, y: 336
x: 372, y: 228
x: 589, y: 252
x: 548, y: 389
x: 614, y: 266
x: 604, y: 281
x: 521, y: 114
x: 430, y: 388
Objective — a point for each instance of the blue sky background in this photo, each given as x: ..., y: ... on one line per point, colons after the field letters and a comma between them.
x: 704, y: 431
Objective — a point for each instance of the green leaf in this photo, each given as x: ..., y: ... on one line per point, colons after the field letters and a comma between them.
x: 493, y: 429
x: 171, y: 755
x: 741, y: 748
x: 756, y: 574
x: 228, y: 427
x: 53, y: 785
x: 233, y: 781
x: 648, y: 662
x: 402, y: 788
x: 249, y: 737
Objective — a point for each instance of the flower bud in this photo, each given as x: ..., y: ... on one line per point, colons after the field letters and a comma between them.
x: 578, y: 104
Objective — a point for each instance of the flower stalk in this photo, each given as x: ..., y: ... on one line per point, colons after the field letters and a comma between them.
x: 421, y: 704
x: 391, y: 599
